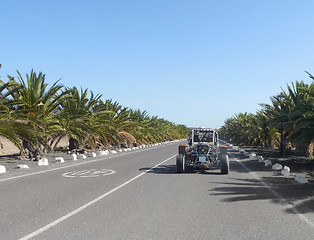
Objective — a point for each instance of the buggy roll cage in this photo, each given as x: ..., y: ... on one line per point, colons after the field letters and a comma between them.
x: 197, y: 135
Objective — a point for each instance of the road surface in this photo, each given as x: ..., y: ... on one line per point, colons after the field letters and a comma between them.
x: 138, y: 195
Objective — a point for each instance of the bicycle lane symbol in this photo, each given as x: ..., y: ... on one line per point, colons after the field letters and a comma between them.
x: 89, y: 173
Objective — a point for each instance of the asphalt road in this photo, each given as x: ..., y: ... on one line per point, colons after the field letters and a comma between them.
x: 138, y: 195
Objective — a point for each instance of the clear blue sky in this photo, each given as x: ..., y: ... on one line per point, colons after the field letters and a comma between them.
x: 191, y: 62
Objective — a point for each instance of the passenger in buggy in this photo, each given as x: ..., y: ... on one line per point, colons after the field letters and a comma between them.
x: 196, y: 138
x: 204, y: 139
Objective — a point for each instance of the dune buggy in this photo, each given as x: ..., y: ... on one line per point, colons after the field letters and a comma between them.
x: 203, y: 152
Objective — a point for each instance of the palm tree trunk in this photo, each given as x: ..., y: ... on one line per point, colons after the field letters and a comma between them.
x: 305, y: 147
x: 310, y: 149
x: 73, y: 144
x: 33, y: 152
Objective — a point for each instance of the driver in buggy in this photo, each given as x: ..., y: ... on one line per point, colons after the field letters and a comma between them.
x: 195, y: 139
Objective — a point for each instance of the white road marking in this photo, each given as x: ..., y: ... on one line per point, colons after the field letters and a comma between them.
x: 73, y: 165
x: 300, y: 215
x: 89, y: 173
x: 76, y: 211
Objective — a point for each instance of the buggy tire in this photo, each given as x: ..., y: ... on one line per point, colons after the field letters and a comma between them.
x: 180, y: 163
x: 224, y: 164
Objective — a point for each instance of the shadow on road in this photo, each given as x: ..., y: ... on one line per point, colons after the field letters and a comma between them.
x: 299, y: 196
x: 171, y: 169
x: 161, y: 169
x: 283, y: 191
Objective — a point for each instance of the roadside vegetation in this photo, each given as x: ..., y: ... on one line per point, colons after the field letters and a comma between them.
x: 290, y: 113
x: 35, y: 116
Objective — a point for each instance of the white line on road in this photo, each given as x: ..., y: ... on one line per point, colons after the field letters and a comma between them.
x: 61, y: 219
x: 300, y: 215
x: 73, y: 165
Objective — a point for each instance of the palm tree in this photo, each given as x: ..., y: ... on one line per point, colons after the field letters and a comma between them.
x: 13, y: 129
x: 263, y: 134
x: 303, y: 118
x: 35, y: 117
x: 119, y: 126
x: 141, y: 130
x: 291, y: 115
x: 75, y: 116
x: 236, y: 127
x: 294, y: 116
x: 32, y: 103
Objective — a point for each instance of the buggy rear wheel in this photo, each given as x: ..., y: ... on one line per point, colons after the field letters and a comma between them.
x: 180, y: 163
x: 224, y: 164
